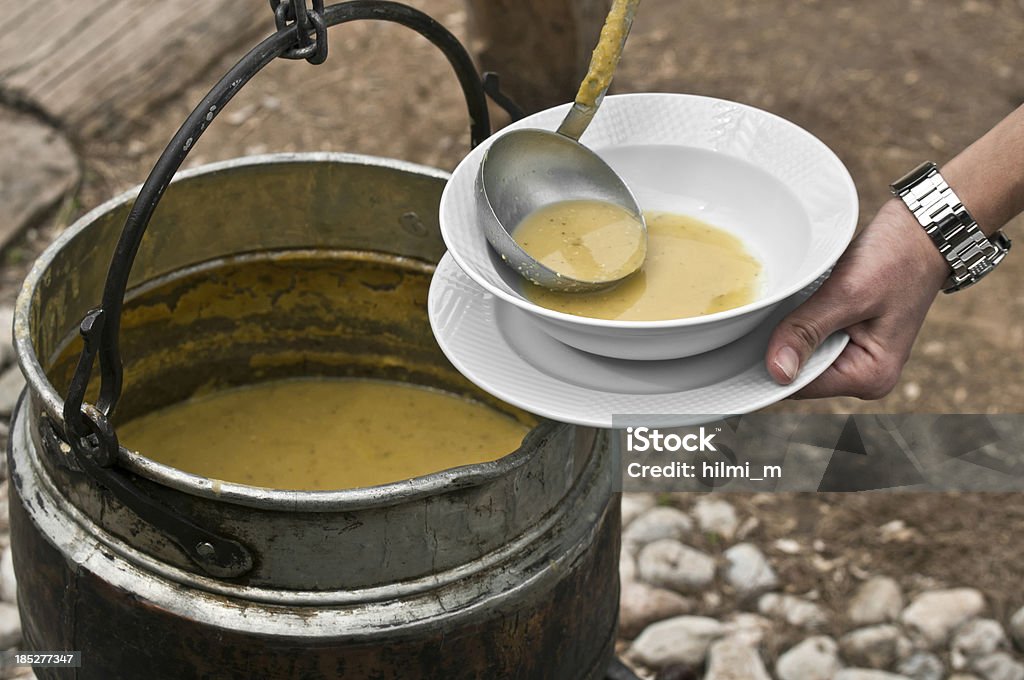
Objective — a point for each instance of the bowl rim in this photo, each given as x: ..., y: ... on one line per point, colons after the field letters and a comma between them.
x: 850, y: 192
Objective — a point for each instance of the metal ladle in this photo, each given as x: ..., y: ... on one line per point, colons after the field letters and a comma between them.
x: 524, y: 170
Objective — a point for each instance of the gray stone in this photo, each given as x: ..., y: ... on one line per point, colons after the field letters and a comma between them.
x: 748, y: 570
x: 934, y: 615
x: 8, y: 583
x: 627, y: 567
x: 716, y: 516
x: 5, y: 490
x: 867, y: 674
x: 897, y: 531
x: 641, y: 605
x: 10, y: 625
x: 793, y: 610
x: 1017, y: 628
x: 634, y: 505
x: 979, y: 637
x: 788, y: 546
x: 730, y: 659
x: 667, y: 563
x: 680, y: 640
x: 963, y: 676
x: 878, y: 600
x: 654, y: 525
x: 747, y: 629
x: 816, y: 658
x: 711, y: 599
x: 878, y: 646
x: 998, y: 666
x: 12, y: 382
x: 6, y: 335
x: 747, y: 527
x: 922, y: 666
x: 37, y: 169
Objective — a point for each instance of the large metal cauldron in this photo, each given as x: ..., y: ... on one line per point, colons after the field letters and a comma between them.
x: 283, y: 266
x: 309, y: 264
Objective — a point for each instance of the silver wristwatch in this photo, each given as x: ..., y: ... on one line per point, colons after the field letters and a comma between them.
x: 952, y: 229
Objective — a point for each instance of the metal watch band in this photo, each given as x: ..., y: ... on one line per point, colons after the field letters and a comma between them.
x: 952, y: 229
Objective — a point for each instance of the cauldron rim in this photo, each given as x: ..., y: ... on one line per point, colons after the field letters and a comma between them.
x: 240, y: 494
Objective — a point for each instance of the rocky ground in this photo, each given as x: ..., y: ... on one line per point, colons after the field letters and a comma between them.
x: 707, y: 593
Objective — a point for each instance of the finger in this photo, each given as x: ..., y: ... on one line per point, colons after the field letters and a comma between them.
x: 857, y: 372
x: 835, y: 380
x: 836, y: 305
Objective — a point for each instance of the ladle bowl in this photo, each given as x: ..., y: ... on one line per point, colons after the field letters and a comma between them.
x: 526, y: 170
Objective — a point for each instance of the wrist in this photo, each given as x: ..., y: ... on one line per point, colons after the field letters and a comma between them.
x: 987, y: 175
x: 970, y: 253
x: 930, y: 266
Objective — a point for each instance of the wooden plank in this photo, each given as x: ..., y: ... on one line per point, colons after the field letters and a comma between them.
x: 540, y: 48
x: 37, y: 169
x: 93, y: 65
x: 17, y: 52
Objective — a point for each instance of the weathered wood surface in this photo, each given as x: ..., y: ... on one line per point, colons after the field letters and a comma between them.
x: 88, y: 68
x: 37, y: 168
x: 540, y: 48
x: 91, y: 65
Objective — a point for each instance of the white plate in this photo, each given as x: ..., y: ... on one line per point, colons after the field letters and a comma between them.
x: 500, y: 349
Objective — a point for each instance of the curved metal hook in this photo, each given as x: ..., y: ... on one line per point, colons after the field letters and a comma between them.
x: 107, y: 350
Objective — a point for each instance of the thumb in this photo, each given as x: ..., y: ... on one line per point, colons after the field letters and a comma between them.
x: 806, y: 327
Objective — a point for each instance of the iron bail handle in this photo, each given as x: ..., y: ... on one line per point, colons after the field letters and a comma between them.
x: 87, y: 428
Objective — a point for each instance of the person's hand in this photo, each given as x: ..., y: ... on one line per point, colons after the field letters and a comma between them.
x: 879, y: 292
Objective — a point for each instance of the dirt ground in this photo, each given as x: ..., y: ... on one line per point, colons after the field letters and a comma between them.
x: 881, y: 83
x: 885, y: 84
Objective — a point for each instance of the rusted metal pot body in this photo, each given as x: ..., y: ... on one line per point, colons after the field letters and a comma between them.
x: 312, y: 264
